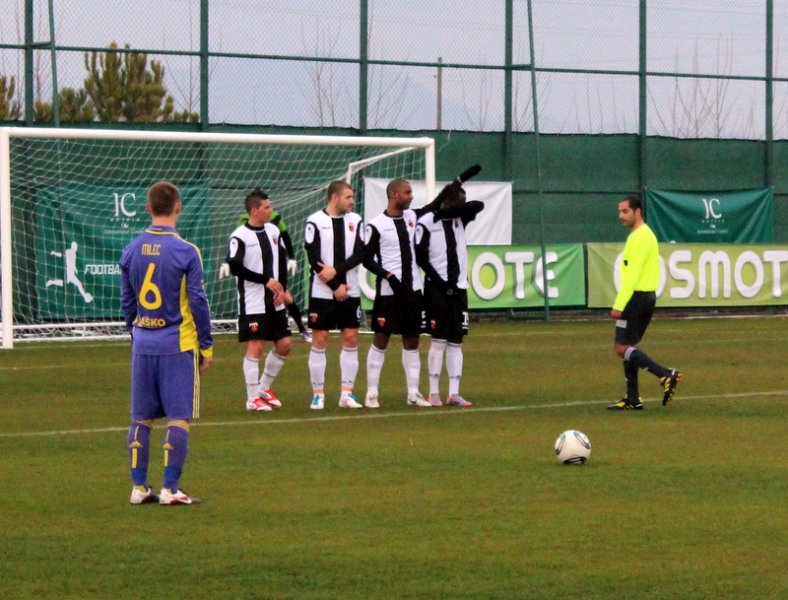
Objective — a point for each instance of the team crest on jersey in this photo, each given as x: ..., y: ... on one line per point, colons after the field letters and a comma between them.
x: 411, y: 223
x: 381, y: 321
x: 351, y: 227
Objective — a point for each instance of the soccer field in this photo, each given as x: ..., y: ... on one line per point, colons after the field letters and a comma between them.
x: 680, y: 502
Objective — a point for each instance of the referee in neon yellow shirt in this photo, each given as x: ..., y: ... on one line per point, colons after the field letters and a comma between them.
x: 634, y: 306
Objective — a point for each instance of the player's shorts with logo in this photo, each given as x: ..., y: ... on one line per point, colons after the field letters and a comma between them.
x: 635, y: 318
x: 402, y: 314
x: 447, y: 311
x: 326, y: 314
x: 270, y: 326
x: 165, y: 385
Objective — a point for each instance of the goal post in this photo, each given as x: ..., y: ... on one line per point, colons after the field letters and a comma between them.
x: 71, y: 199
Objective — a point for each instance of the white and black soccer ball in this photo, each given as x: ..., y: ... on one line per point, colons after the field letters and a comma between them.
x: 572, y: 448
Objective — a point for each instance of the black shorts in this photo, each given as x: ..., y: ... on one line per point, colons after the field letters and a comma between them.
x: 635, y: 318
x: 327, y: 314
x: 269, y: 326
x: 402, y: 314
x: 447, y: 312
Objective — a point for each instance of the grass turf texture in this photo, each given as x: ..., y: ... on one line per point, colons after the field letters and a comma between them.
x: 684, y: 502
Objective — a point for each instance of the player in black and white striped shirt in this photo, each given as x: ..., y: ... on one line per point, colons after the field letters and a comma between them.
x: 334, y: 243
x: 258, y: 258
x: 398, y: 306
x: 441, y: 251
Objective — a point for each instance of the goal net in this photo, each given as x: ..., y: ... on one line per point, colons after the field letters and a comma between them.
x: 70, y: 201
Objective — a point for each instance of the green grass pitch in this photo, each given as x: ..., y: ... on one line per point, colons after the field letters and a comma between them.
x: 681, y: 502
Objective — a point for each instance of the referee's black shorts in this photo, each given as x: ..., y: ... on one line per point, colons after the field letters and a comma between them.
x: 635, y: 318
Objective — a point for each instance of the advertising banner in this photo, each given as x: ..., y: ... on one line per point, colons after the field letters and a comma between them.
x: 492, y: 226
x: 699, y: 275
x: 81, y: 232
x: 511, y: 277
x: 745, y: 217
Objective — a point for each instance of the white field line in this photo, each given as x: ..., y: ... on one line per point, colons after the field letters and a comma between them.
x: 367, y: 414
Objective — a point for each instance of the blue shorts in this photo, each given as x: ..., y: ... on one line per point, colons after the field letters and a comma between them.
x: 166, y: 385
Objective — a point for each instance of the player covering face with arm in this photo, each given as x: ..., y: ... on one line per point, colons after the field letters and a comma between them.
x: 441, y: 251
x: 398, y: 306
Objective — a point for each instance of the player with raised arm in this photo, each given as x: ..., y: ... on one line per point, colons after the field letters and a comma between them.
x: 258, y: 259
x: 398, y: 307
x: 165, y: 308
x: 442, y: 252
x: 334, y: 245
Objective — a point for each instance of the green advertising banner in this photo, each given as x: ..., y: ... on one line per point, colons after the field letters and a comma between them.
x: 81, y: 232
x: 745, y: 217
x: 699, y: 275
x: 511, y: 277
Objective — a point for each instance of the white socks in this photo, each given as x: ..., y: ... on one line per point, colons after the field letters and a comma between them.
x: 435, y: 364
x: 375, y: 359
x: 454, y: 367
x: 317, y: 369
x: 273, y: 364
x: 251, y: 368
x: 411, y: 362
x: 348, y: 367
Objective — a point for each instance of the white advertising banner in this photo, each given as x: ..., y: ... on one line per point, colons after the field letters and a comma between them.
x: 492, y: 227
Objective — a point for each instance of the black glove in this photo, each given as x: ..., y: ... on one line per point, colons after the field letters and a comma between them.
x: 396, y: 284
x: 469, y: 172
x: 441, y: 285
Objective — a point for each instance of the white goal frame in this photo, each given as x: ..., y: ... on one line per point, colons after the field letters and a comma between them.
x: 6, y: 133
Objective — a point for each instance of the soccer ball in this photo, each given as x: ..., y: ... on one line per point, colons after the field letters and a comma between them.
x: 572, y: 448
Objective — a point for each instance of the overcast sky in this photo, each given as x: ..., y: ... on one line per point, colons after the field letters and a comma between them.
x: 688, y: 36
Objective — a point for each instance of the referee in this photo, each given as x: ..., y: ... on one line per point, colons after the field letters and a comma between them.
x: 634, y: 306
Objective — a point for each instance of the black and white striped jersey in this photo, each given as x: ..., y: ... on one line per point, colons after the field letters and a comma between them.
x: 337, y: 242
x: 441, y: 245
x: 256, y: 255
x: 390, y: 249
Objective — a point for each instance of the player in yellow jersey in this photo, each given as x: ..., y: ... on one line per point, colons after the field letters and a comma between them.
x: 634, y: 305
